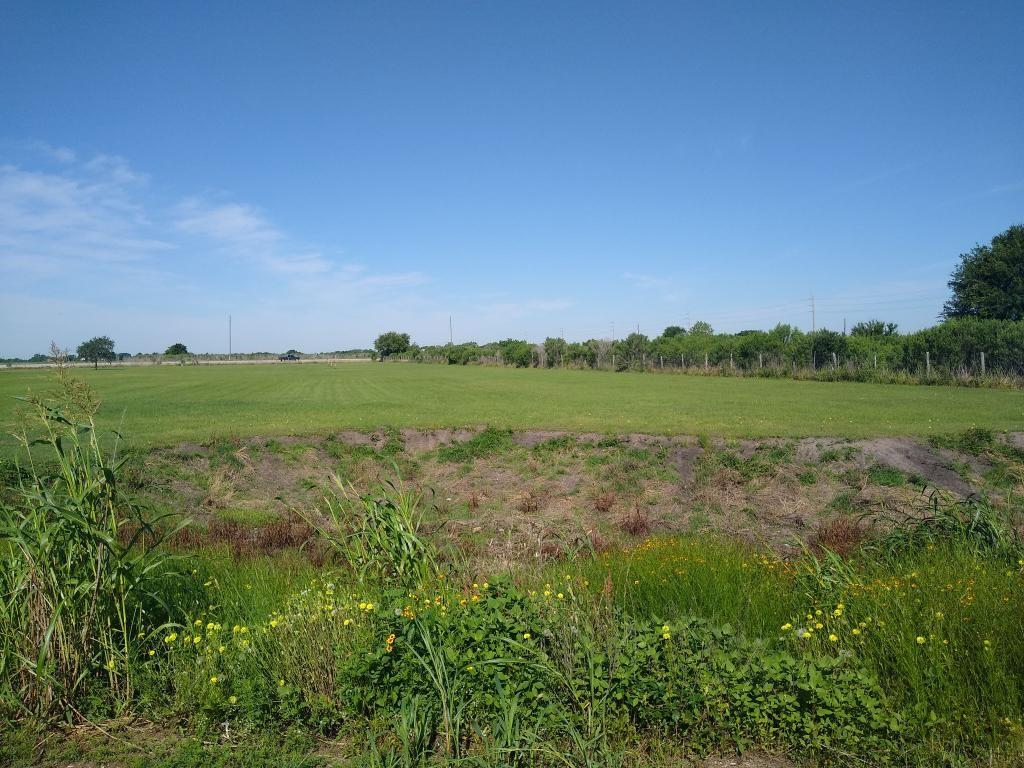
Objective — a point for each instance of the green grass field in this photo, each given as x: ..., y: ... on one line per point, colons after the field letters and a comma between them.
x: 162, y: 405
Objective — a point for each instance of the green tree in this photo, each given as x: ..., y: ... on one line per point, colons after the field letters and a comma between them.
x: 391, y: 343
x: 700, y: 328
x: 988, y: 283
x: 633, y: 350
x: 177, y: 349
x: 673, y: 330
x: 516, y: 352
x: 96, y: 349
x: 554, y: 351
x: 873, y: 328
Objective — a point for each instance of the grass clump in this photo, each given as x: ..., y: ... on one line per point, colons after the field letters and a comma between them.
x: 889, y: 477
x: 489, y: 442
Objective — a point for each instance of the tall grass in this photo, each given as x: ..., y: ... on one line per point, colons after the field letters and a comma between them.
x: 79, y: 593
x: 377, y: 534
x: 710, y: 577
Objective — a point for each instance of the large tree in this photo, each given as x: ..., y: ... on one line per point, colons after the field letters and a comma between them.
x: 177, y: 349
x: 391, y: 343
x: 988, y: 282
x: 96, y: 349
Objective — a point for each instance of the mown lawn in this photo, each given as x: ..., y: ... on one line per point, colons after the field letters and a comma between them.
x: 160, y: 405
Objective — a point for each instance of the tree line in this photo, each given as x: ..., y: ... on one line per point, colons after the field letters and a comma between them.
x: 981, y: 331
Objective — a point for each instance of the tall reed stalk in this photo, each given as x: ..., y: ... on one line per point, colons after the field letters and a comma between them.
x: 79, y: 593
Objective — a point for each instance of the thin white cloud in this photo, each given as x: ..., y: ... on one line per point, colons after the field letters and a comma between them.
x: 55, y: 221
x: 244, y: 233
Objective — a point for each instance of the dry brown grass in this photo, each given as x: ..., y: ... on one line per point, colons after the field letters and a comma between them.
x: 636, y: 523
x: 841, y: 535
x: 604, y: 501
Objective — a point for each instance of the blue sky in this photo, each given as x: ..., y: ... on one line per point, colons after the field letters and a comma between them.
x: 326, y: 171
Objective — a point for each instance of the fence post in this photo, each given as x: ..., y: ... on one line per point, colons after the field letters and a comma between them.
x: 663, y: 362
x: 613, y: 362
x: 705, y: 361
x: 835, y: 361
x: 682, y: 361
x: 876, y: 361
x: 760, y: 360
x: 927, y: 363
x: 982, y: 363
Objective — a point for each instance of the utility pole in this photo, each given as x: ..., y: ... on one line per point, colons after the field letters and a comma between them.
x: 814, y: 317
x: 613, y: 330
x: 451, y: 336
x: 229, y: 337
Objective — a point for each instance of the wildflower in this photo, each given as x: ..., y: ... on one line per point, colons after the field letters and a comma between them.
x: 469, y: 667
x: 233, y: 699
x: 561, y: 596
x: 198, y: 623
x: 235, y: 629
x: 939, y: 615
x: 280, y: 683
x: 856, y: 631
x: 152, y: 652
x: 819, y: 625
x: 273, y: 622
x: 527, y: 635
x: 214, y: 680
x: 171, y: 637
x: 111, y: 664
x: 197, y: 640
x: 833, y: 638
x: 920, y: 640
x: 786, y: 627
